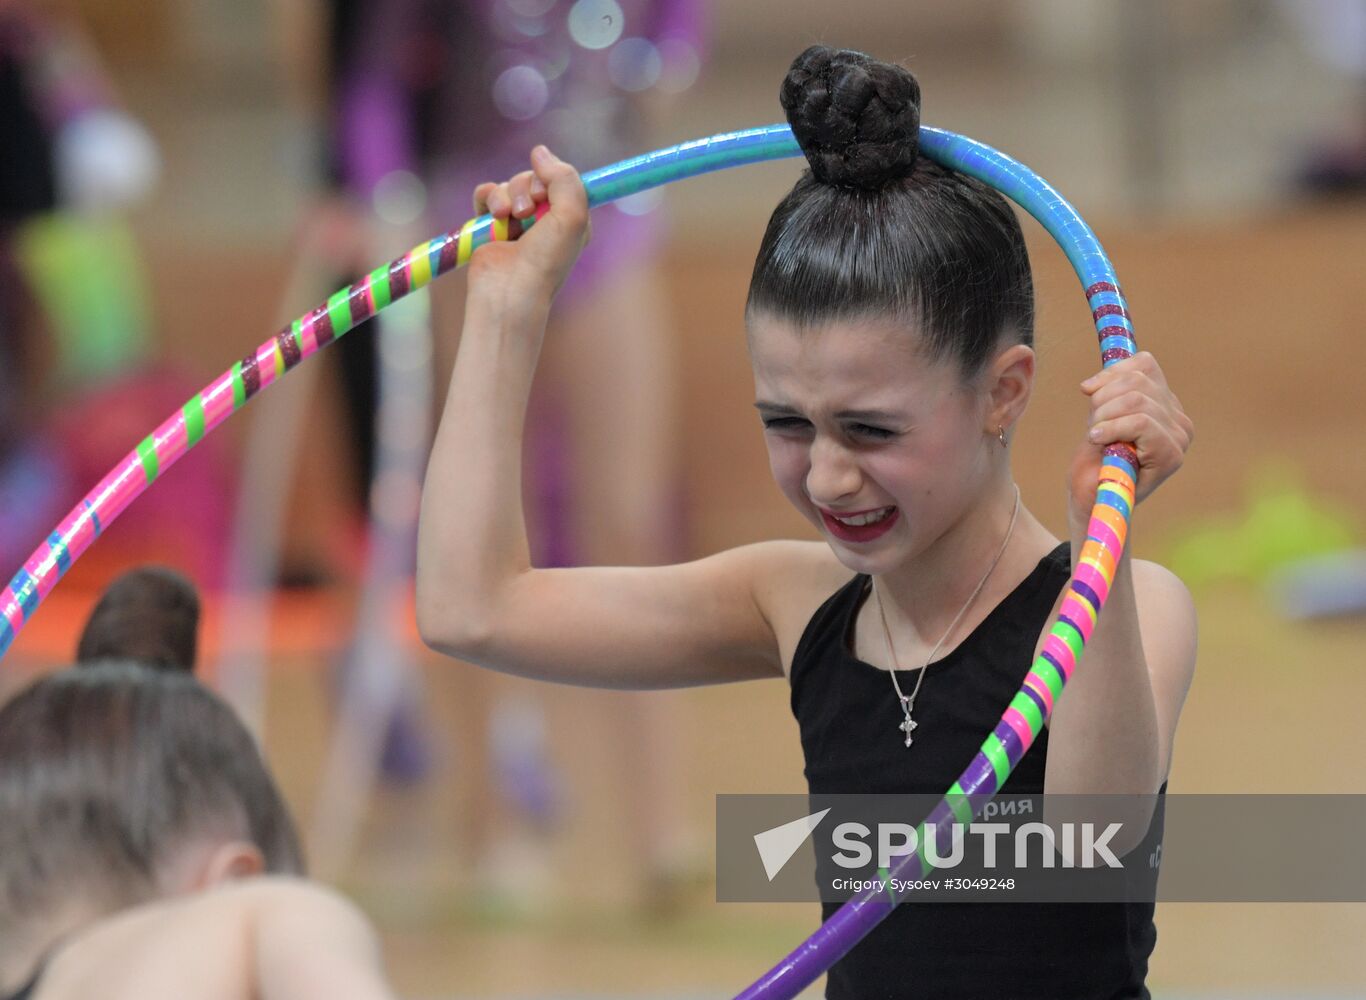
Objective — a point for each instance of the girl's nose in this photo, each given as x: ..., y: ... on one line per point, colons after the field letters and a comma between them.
x: 832, y: 475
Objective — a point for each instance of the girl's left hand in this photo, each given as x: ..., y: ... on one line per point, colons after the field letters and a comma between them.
x: 1130, y: 401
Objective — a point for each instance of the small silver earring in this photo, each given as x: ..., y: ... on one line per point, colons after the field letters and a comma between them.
x: 1001, y: 435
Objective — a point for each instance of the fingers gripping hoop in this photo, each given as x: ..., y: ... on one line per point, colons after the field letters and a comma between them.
x: 1086, y: 592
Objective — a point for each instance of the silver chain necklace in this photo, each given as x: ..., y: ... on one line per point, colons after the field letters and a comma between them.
x: 909, y: 725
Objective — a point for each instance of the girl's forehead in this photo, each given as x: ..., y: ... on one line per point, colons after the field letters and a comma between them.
x: 861, y: 355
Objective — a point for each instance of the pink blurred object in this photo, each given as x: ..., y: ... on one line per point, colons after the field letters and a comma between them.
x: 183, y: 522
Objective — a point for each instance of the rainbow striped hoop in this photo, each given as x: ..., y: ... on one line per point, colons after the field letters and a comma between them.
x: 1023, y: 718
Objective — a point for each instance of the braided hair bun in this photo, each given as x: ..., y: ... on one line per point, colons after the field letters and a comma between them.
x: 856, y: 119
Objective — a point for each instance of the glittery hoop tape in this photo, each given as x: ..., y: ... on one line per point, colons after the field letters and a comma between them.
x: 1023, y: 718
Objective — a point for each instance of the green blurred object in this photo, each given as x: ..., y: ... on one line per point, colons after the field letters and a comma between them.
x: 86, y: 274
x: 1282, y: 524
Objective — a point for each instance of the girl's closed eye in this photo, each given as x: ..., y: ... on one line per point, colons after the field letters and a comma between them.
x: 869, y: 431
x: 786, y: 423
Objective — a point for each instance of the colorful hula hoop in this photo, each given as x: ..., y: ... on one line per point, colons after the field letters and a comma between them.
x: 1087, y: 590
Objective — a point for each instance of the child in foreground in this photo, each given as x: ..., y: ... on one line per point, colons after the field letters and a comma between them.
x: 145, y: 853
x: 890, y: 328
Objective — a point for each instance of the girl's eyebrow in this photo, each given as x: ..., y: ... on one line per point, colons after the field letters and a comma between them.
x: 872, y: 416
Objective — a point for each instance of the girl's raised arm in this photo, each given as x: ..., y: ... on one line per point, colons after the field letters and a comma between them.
x: 478, y: 596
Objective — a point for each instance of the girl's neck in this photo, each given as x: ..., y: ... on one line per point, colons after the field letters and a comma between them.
x: 923, y: 597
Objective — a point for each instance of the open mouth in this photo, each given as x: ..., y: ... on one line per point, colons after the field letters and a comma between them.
x: 863, y: 526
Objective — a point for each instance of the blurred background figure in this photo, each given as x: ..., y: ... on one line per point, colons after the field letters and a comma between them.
x: 425, y: 101
x: 1336, y: 32
x: 74, y: 298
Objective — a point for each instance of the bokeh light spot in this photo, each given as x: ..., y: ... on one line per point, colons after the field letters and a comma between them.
x: 634, y: 64
x: 400, y: 197
x: 520, y: 93
x: 596, y: 24
x: 681, y: 65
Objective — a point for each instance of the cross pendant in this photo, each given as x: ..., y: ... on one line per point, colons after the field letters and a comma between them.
x: 907, y: 727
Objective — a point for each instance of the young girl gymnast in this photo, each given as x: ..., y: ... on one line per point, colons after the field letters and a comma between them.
x: 137, y: 823
x: 890, y: 329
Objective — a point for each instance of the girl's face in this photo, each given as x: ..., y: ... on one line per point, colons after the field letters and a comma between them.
x: 881, y: 450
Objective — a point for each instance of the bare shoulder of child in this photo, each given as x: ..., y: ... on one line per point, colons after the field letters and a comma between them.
x: 270, y: 937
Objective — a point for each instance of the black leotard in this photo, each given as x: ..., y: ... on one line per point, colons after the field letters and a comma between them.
x: 848, y: 715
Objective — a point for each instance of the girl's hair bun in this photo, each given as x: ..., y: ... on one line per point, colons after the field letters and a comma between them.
x: 856, y: 119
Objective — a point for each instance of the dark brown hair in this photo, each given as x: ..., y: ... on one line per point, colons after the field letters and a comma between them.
x: 149, y: 615
x: 107, y: 771
x: 875, y: 229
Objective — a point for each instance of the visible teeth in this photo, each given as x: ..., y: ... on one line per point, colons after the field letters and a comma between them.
x: 859, y: 520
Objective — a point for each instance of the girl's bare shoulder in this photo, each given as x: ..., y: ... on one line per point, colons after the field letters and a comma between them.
x: 203, y: 937
x: 792, y: 579
x: 208, y: 939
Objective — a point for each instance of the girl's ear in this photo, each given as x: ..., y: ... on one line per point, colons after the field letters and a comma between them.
x: 1009, y: 381
x: 229, y: 861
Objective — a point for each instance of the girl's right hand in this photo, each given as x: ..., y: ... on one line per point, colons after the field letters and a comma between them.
x: 535, y: 265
